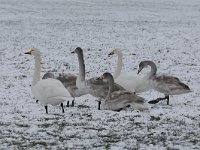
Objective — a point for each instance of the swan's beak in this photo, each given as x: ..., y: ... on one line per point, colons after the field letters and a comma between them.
x: 100, y: 78
x: 112, y: 53
x: 29, y: 52
x: 72, y: 52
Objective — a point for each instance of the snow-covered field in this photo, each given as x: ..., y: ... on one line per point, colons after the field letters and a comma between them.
x: 165, y: 31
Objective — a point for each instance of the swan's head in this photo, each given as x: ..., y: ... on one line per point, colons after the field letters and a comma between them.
x: 145, y: 64
x: 106, y: 77
x: 78, y: 50
x: 115, y: 51
x: 48, y: 75
x: 33, y: 51
x: 141, y: 66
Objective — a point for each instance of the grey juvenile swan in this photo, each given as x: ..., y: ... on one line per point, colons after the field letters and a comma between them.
x: 168, y: 85
x: 117, y: 100
x: 96, y: 88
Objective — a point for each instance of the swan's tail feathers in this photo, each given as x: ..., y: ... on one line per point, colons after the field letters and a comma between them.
x: 180, y: 88
x: 139, y: 103
x: 138, y: 99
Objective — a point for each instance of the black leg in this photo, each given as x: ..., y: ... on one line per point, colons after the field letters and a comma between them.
x: 46, y: 109
x: 67, y: 104
x: 62, y: 107
x: 167, y: 97
x: 73, y: 102
x: 158, y: 100
x: 99, y: 105
x: 155, y: 101
x: 118, y: 110
x: 37, y: 101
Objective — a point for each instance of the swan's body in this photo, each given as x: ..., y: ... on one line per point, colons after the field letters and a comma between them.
x: 69, y: 81
x: 50, y: 91
x: 93, y: 86
x: 117, y: 100
x: 129, y: 80
x: 47, y: 91
x: 168, y: 85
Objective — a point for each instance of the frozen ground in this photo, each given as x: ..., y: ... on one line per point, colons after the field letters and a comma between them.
x: 165, y: 31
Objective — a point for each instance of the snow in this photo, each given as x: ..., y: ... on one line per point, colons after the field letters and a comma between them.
x: 165, y: 31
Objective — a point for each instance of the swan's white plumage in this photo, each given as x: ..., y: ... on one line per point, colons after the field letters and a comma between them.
x: 47, y: 91
x: 50, y: 91
x: 129, y: 80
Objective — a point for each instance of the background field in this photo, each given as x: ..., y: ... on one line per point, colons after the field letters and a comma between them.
x: 165, y: 31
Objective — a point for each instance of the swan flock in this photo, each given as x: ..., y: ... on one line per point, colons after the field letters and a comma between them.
x: 114, y: 92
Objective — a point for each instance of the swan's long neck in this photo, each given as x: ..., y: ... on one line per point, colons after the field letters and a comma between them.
x: 111, y: 86
x: 81, y: 75
x: 153, y: 69
x: 36, y: 75
x: 119, y: 66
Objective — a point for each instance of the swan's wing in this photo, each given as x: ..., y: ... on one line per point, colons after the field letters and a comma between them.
x: 171, y: 80
x: 67, y: 79
x: 49, y: 88
x: 95, y: 81
x: 169, y: 85
x: 122, y: 99
x: 126, y: 95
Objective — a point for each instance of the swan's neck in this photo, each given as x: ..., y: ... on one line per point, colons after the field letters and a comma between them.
x: 119, y: 66
x: 81, y: 76
x: 153, y: 70
x: 36, y: 75
x: 111, y: 87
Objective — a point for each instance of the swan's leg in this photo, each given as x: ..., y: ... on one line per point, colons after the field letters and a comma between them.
x: 73, y: 101
x: 62, y: 107
x: 67, y: 104
x: 99, y: 105
x: 156, y: 101
x: 46, y: 109
x: 167, y: 97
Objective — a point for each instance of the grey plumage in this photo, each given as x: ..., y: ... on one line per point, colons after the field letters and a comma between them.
x: 169, y: 85
x: 92, y: 86
x: 117, y: 100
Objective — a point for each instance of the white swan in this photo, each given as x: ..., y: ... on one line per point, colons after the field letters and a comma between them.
x: 129, y: 80
x: 69, y: 81
x: 117, y: 100
x: 168, y: 85
x: 96, y: 88
x: 47, y: 91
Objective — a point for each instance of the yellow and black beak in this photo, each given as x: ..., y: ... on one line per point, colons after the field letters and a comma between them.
x: 112, y: 53
x: 29, y: 52
x: 100, y: 78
